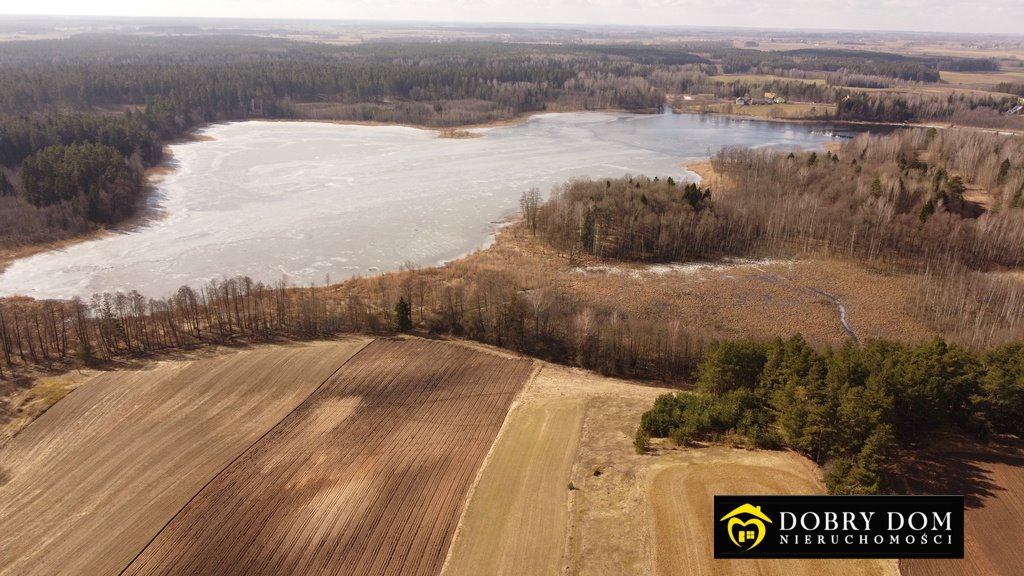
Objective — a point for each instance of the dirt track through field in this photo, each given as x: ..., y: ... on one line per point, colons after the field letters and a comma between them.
x: 368, y: 476
x: 515, y: 523
x: 93, y: 479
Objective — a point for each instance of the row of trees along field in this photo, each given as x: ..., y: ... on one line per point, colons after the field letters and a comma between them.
x: 855, y: 410
x: 512, y: 307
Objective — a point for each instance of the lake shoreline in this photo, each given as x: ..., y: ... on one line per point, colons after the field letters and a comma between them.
x: 611, y: 144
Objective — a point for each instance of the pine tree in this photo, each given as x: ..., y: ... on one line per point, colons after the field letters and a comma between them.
x: 403, y: 313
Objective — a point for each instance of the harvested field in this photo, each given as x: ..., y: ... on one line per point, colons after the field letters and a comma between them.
x: 367, y: 476
x: 983, y: 78
x: 92, y: 480
x: 788, y: 111
x: 992, y: 482
x: 515, y: 522
x: 626, y: 512
x: 681, y: 503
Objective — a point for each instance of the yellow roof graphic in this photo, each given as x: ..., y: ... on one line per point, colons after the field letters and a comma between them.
x: 747, y: 509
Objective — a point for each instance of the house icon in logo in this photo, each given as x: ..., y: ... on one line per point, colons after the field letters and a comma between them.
x: 749, y: 532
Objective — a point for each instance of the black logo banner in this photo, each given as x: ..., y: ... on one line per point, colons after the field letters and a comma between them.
x: 839, y: 526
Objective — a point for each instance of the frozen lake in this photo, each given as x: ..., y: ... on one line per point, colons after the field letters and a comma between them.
x: 310, y: 200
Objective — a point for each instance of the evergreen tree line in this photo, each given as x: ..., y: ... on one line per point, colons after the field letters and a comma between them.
x: 854, y: 410
x: 963, y: 108
x: 861, y: 62
x: 69, y: 173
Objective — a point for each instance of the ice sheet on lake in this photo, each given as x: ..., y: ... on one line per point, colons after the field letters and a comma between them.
x: 310, y: 200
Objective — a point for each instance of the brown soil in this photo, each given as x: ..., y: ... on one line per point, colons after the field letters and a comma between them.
x: 30, y: 393
x: 368, y: 476
x: 682, y: 499
x: 90, y: 482
x: 992, y: 482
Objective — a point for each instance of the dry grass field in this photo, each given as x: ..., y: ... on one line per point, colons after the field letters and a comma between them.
x: 681, y: 505
x: 23, y: 400
x: 754, y: 298
x: 610, y: 532
x: 735, y: 299
x: 368, y: 476
x: 92, y: 480
x: 515, y: 522
x: 627, y: 513
x: 993, y: 484
x: 788, y: 111
x: 522, y: 517
x: 984, y: 78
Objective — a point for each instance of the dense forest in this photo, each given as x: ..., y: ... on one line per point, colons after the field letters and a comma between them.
x: 855, y: 62
x: 853, y: 410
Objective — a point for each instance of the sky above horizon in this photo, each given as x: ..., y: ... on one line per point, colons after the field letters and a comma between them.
x: 991, y: 16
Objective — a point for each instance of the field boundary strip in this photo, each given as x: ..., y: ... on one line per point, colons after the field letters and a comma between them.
x: 516, y: 404
x: 240, y: 454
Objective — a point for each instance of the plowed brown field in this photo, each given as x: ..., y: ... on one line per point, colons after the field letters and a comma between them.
x: 368, y: 476
x: 92, y: 480
x: 992, y: 482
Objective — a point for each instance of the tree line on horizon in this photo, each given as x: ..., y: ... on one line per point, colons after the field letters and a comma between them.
x: 135, y: 93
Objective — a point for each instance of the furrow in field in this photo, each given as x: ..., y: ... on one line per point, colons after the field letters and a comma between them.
x: 96, y: 477
x: 367, y: 476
